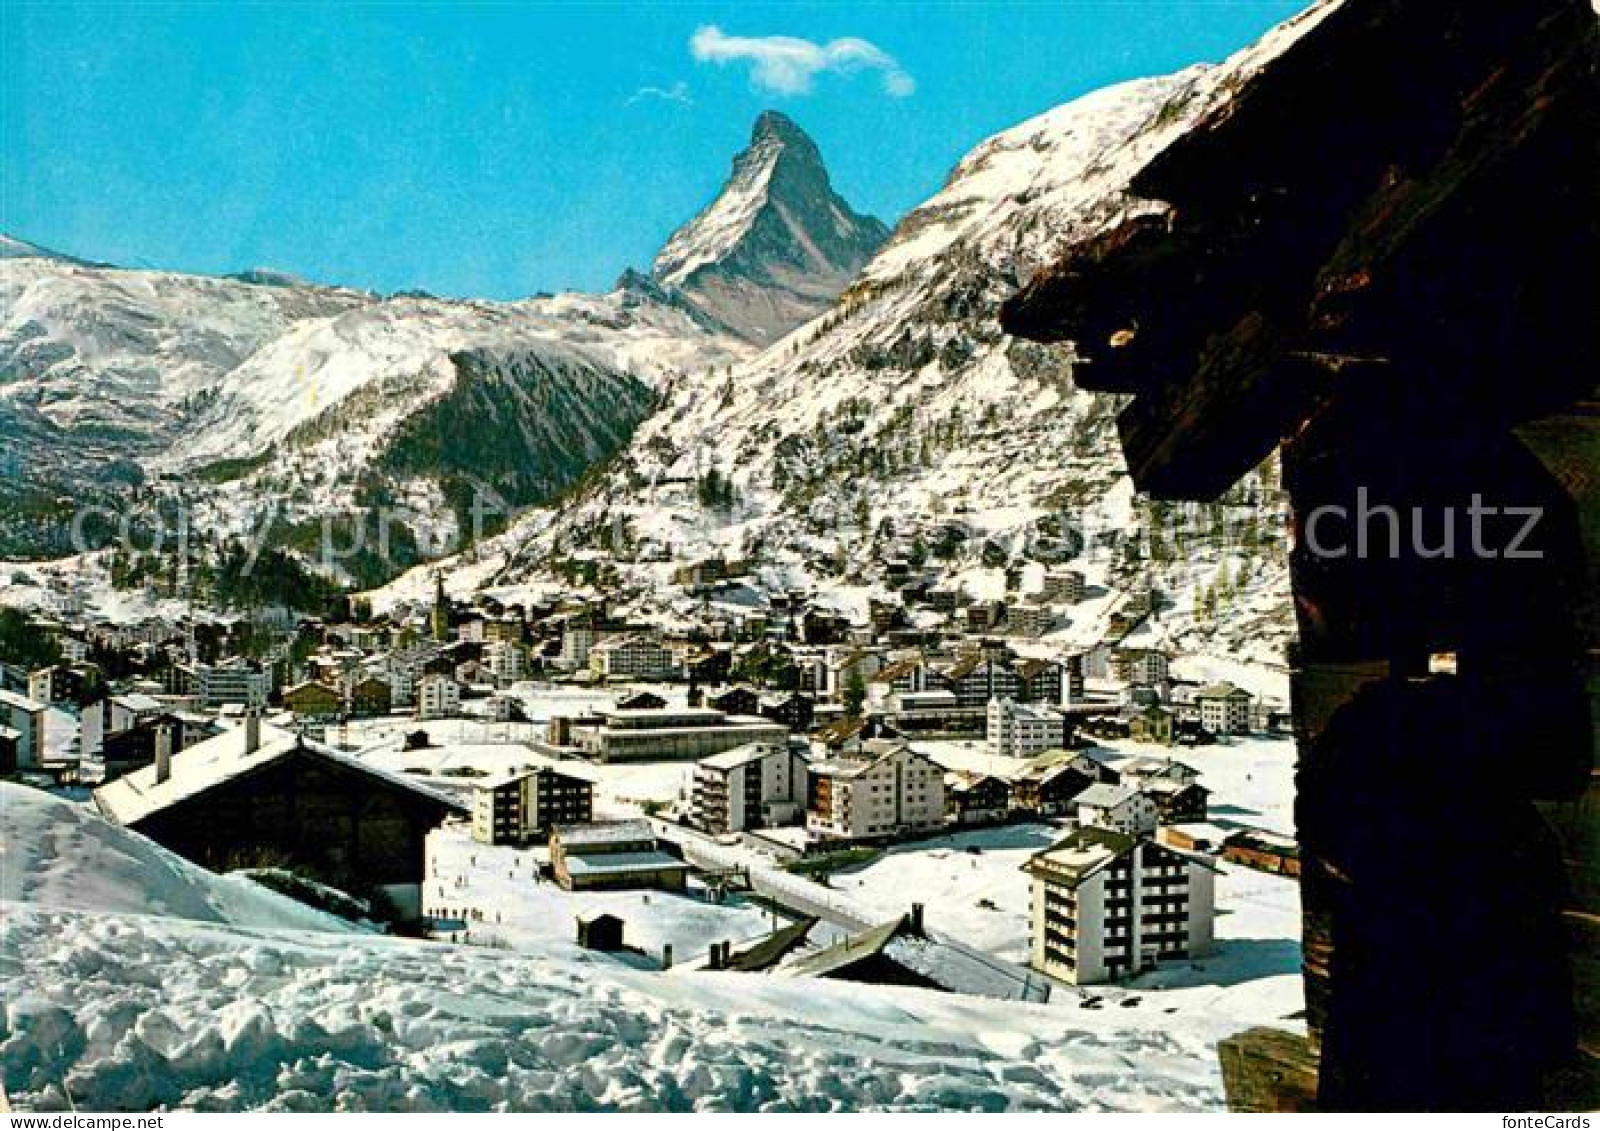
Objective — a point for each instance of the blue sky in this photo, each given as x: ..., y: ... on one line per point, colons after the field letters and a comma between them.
x: 502, y: 149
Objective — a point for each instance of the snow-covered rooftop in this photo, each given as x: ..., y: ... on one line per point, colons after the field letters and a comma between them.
x: 215, y: 761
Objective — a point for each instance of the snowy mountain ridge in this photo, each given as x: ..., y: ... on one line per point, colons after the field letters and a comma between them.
x: 242, y: 397
x: 776, y: 245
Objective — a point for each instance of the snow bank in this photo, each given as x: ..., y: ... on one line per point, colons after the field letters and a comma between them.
x: 59, y: 854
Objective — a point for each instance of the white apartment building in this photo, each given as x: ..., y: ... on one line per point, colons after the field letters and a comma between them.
x: 886, y: 790
x: 233, y: 682
x: 1106, y: 905
x: 631, y: 655
x: 438, y: 696
x: 1021, y: 730
x: 761, y: 785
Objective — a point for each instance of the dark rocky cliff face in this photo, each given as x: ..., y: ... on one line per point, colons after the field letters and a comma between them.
x: 777, y: 246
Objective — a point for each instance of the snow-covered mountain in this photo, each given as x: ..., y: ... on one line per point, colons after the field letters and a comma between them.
x: 777, y: 245
x: 21, y: 249
x: 905, y: 424
x: 254, y: 392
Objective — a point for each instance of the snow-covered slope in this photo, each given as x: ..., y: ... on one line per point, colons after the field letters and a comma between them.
x: 282, y: 392
x: 905, y: 423
x: 165, y: 987
x: 138, y: 1014
x: 61, y: 855
x: 777, y: 245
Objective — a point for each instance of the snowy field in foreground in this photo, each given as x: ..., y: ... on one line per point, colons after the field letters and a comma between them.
x: 519, y: 912
x: 133, y: 1013
x: 160, y: 989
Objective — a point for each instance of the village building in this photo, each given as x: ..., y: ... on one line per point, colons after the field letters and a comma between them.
x: 884, y: 790
x: 1153, y: 724
x: 1051, y: 783
x: 631, y: 655
x: 8, y: 750
x: 1177, y: 802
x: 24, y: 717
x: 312, y: 701
x: 1021, y: 730
x: 1142, y: 667
x: 109, y: 715
x: 523, y: 805
x: 1106, y: 905
x: 1224, y: 709
x: 1029, y: 619
x: 1120, y: 808
x: 906, y: 675
x: 600, y: 930
x: 978, y: 677
x: 760, y: 785
x: 611, y: 855
x: 973, y: 798
x: 674, y: 734
x: 137, y: 746
x: 870, y: 957
x: 438, y: 696
x: 370, y: 697
x: 935, y: 711
x: 736, y: 701
x: 577, y: 639
x: 504, y: 662
x: 1262, y: 850
x: 641, y: 701
x: 903, y: 952
x: 1040, y: 681
x: 764, y: 953
x: 1062, y: 586
x: 795, y: 710
x: 61, y: 683
x: 234, y: 682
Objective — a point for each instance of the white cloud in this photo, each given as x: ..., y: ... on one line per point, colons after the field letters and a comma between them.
x: 678, y: 92
x: 783, y: 64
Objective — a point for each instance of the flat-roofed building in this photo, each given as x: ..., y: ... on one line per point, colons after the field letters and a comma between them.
x: 673, y: 734
x: 613, y: 854
x: 1106, y: 905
